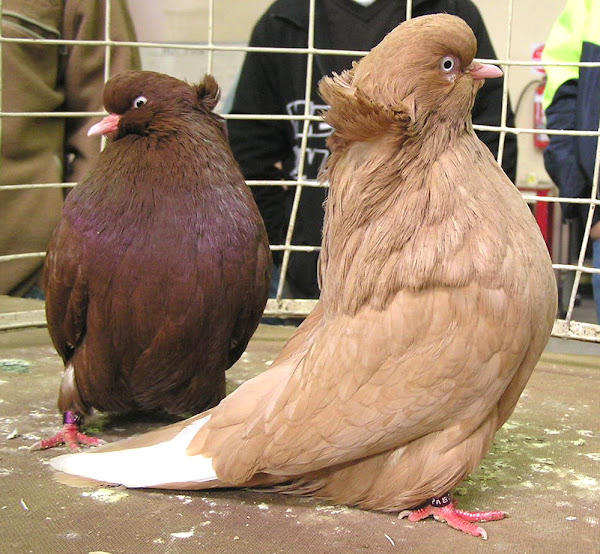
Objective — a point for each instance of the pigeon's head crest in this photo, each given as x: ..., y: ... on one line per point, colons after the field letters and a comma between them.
x: 420, y: 67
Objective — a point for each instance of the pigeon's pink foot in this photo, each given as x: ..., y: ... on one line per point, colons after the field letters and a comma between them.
x: 443, y: 508
x: 69, y: 435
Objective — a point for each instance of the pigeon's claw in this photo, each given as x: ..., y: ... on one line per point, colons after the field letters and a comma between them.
x: 443, y: 509
x: 69, y: 435
x: 492, y: 515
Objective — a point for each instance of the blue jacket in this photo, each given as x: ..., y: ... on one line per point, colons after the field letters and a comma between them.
x: 572, y: 101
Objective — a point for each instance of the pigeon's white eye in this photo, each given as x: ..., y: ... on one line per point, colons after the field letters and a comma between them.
x: 139, y: 101
x: 447, y: 64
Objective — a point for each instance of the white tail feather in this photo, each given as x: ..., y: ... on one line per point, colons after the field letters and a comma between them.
x: 148, y: 466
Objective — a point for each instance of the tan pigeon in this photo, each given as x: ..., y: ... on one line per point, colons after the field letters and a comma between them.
x: 438, y: 297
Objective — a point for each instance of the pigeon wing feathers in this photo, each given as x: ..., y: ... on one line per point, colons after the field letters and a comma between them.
x: 65, y: 286
x: 235, y: 410
x: 391, y: 377
x: 449, y: 317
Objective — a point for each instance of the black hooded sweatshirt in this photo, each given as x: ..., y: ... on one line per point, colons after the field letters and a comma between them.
x: 274, y: 83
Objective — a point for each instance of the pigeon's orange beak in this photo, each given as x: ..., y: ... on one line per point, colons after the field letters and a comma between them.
x: 484, y: 71
x: 107, y: 125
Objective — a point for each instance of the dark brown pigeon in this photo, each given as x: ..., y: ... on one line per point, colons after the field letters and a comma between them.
x: 438, y: 297
x: 158, y: 272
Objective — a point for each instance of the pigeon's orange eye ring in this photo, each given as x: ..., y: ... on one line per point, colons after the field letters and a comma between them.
x: 447, y: 64
x: 139, y: 101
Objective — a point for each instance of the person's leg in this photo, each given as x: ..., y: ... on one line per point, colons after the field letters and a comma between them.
x: 596, y: 277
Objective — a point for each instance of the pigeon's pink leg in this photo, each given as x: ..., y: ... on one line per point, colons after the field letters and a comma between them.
x: 69, y: 435
x: 443, y: 508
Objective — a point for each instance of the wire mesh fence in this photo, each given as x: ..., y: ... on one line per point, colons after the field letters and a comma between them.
x: 281, y: 306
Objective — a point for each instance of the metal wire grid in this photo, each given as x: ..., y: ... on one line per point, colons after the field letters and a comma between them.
x: 279, y: 306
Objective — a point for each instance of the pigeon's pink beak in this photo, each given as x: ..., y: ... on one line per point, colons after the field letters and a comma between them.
x: 484, y: 71
x: 107, y: 125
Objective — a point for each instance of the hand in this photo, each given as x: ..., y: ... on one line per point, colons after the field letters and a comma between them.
x: 279, y: 165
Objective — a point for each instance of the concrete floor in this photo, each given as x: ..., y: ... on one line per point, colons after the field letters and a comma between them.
x: 543, y: 470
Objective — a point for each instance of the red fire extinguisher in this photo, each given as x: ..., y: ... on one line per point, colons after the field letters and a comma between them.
x: 540, y: 140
